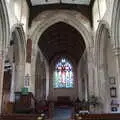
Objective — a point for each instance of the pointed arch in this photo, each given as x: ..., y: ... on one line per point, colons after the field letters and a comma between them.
x: 4, y: 37
x: 115, y: 24
x: 105, y: 62
x: 16, y: 55
x: 49, y: 18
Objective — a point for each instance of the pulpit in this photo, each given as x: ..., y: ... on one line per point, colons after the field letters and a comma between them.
x: 23, y: 103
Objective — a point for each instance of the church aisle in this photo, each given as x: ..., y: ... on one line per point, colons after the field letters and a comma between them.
x: 63, y: 113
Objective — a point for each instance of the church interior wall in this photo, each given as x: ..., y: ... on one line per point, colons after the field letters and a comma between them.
x: 98, y: 68
x: 103, y: 15
x: 43, y: 21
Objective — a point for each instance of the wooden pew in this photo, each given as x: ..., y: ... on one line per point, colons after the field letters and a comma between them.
x: 98, y: 117
x: 19, y: 116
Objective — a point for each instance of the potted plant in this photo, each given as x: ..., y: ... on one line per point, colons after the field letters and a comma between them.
x: 93, y: 101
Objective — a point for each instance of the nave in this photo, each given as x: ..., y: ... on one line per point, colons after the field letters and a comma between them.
x: 59, y: 59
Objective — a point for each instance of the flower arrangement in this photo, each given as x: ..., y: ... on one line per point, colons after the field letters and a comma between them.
x: 93, y: 100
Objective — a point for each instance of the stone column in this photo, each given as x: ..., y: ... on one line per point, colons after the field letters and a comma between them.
x: 28, y: 65
x: 90, y: 73
x: 19, y: 77
x: 47, y: 81
x: 1, y: 78
x: 12, y: 89
x: 86, y: 88
x: 51, y: 89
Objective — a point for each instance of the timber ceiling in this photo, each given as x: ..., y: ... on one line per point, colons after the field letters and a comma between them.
x: 61, y: 39
x: 38, y: 6
x: 41, y: 2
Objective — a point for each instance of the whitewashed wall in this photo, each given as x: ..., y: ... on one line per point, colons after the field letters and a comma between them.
x: 102, y: 15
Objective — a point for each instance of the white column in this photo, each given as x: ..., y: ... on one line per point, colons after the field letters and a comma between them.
x: 19, y: 77
x: 86, y: 88
x: 12, y: 89
x: 90, y: 77
x: 1, y: 78
x: 27, y: 78
x: 47, y: 80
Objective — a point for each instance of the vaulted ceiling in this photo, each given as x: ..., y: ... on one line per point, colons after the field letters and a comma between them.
x: 62, y: 39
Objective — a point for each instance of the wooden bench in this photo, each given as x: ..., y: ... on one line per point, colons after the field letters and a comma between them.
x: 98, y: 117
x: 19, y: 116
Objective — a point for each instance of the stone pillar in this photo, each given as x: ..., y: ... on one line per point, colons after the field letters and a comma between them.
x: 28, y: 65
x: 27, y: 78
x: 90, y: 73
x: 86, y: 88
x: 51, y: 89
x: 12, y: 89
x: 19, y: 77
x: 1, y: 78
x: 47, y: 80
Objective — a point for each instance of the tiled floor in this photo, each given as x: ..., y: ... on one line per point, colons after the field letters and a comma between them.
x: 62, y: 113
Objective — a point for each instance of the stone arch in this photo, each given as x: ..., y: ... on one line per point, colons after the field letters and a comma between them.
x: 68, y: 17
x: 4, y: 23
x: 18, y: 29
x: 103, y: 24
x: 115, y: 25
x: 17, y: 48
x: 4, y: 36
x: 49, y: 18
x: 103, y: 51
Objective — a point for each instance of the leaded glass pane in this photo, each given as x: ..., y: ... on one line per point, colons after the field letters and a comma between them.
x: 63, y: 75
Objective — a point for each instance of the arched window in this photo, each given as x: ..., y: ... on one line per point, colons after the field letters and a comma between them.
x: 63, y: 75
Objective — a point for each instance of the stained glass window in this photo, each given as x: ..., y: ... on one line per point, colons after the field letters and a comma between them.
x: 63, y: 75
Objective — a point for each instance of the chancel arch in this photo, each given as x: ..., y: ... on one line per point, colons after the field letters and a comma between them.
x: 54, y: 44
x: 62, y: 17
